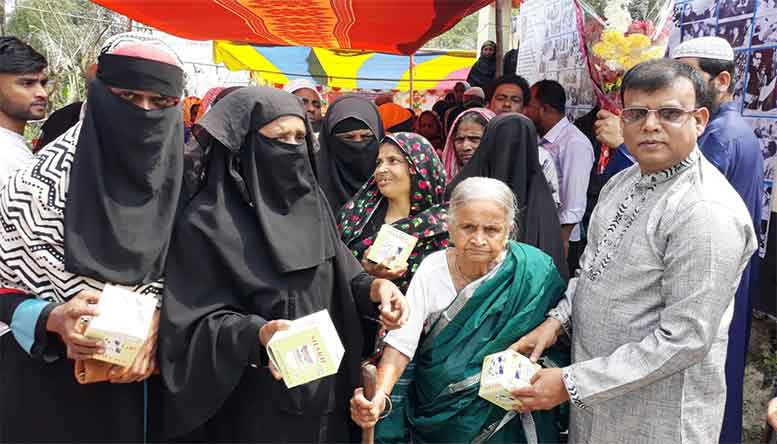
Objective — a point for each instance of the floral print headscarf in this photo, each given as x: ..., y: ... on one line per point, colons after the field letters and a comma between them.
x: 428, y: 212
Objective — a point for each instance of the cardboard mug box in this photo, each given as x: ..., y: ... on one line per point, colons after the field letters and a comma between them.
x: 310, y: 349
x: 503, y: 372
x: 123, y: 324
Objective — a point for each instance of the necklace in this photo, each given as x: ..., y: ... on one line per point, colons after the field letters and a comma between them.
x: 458, y: 269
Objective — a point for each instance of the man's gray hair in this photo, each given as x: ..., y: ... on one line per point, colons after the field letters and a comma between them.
x: 485, y: 189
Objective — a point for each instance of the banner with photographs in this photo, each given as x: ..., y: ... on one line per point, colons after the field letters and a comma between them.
x: 550, y: 49
x: 750, y: 26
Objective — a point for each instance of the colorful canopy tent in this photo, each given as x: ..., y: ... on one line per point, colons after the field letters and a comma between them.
x: 392, y: 26
x: 347, y: 69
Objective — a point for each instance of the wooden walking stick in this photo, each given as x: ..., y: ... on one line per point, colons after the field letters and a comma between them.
x: 369, y: 376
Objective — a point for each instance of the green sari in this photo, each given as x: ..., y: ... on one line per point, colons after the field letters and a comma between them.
x: 442, y: 403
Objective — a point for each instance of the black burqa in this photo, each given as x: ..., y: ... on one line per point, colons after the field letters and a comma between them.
x: 257, y: 243
x: 483, y: 71
x: 508, y: 152
x: 343, y: 167
x: 125, y: 181
x: 125, y: 185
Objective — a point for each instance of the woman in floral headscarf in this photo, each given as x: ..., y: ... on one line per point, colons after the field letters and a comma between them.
x: 406, y: 191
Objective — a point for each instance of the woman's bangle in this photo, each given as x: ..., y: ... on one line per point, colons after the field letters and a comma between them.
x: 391, y: 407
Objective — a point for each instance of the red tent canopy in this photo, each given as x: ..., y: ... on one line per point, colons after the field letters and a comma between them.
x: 390, y: 26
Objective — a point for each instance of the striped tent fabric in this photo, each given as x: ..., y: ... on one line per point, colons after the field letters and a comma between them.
x: 347, y: 69
x: 392, y: 27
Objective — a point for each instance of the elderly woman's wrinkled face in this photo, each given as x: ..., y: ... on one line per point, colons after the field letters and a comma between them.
x: 466, y: 140
x: 480, y: 231
x: 392, y: 172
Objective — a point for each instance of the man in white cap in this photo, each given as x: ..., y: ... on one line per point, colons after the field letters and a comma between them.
x: 311, y: 100
x: 730, y: 144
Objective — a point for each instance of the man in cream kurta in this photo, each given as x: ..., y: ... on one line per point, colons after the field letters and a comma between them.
x: 649, y: 311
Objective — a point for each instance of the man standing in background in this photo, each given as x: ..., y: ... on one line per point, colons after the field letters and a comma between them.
x: 729, y: 143
x: 311, y: 100
x: 572, y: 152
x: 23, y: 98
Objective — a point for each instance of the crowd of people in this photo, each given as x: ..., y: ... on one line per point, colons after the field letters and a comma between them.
x: 250, y: 207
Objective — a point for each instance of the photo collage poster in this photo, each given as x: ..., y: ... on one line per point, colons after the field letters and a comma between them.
x: 550, y: 49
x: 750, y: 26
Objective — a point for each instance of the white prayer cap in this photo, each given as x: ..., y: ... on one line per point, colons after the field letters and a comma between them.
x: 714, y: 48
x: 298, y: 84
x: 475, y: 91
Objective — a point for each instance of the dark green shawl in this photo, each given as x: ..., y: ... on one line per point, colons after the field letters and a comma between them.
x: 503, y: 309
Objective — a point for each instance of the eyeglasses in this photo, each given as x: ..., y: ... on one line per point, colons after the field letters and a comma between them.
x: 666, y: 115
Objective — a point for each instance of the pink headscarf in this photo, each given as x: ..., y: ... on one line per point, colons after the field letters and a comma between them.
x: 207, y: 100
x: 449, y: 153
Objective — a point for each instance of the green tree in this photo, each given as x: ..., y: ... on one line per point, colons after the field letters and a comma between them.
x: 463, y: 35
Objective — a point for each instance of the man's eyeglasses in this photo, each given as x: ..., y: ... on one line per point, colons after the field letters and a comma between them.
x: 667, y: 115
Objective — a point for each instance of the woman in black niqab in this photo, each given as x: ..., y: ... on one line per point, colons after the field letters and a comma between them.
x: 257, y: 243
x: 508, y: 152
x: 344, y: 166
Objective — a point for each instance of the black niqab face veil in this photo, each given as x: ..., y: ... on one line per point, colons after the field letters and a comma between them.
x: 275, y: 179
x: 125, y: 183
x: 344, y: 167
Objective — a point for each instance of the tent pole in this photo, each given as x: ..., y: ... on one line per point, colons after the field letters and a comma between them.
x: 503, y: 16
x: 412, y: 93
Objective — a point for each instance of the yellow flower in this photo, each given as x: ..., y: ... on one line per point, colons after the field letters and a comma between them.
x: 638, y: 41
x: 626, y: 51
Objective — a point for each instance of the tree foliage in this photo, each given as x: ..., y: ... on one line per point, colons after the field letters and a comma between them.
x: 464, y: 35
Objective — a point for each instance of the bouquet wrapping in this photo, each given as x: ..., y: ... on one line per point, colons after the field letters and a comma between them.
x: 615, y: 36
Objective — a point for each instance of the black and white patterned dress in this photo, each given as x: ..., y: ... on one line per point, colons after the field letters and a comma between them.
x: 32, y: 227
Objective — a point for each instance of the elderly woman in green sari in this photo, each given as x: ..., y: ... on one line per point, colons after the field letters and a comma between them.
x: 467, y: 301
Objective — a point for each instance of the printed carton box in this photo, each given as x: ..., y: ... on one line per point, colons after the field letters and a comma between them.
x: 503, y: 372
x: 310, y: 349
x: 123, y: 324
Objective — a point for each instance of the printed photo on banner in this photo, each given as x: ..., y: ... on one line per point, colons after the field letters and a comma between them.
x: 697, y: 29
x: 760, y: 95
x: 736, y: 32
x: 766, y: 131
x: 733, y: 8
x: 765, y: 32
x: 697, y: 10
x: 740, y: 71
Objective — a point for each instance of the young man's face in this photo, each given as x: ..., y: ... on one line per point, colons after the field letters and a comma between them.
x: 23, y: 96
x: 507, y: 98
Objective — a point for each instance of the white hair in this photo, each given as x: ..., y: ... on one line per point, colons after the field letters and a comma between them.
x: 485, y: 189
